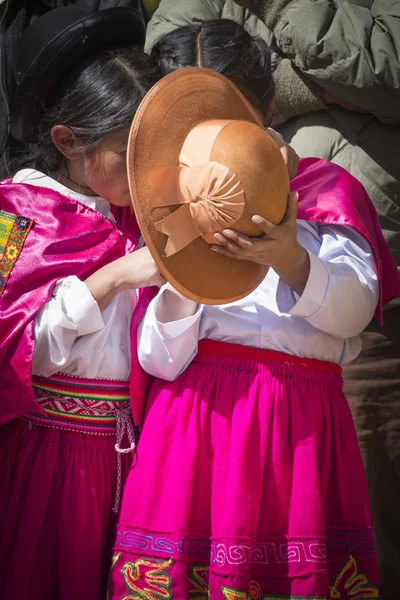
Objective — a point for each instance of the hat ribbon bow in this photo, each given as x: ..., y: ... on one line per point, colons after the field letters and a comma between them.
x: 210, y: 196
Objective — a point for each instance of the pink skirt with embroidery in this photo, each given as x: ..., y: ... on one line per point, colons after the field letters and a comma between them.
x: 60, y: 477
x: 251, y: 486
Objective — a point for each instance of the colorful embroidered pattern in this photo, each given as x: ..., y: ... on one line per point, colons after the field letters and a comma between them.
x: 350, y: 584
x: 6, y: 224
x: 148, y: 579
x: 13, y: 232
x: 271, y: 551
x: 89, y: 389
x: 198, y: 583
x: 78, y: 404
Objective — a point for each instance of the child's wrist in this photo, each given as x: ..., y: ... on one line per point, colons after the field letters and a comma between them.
x: 295, y: 269
x: 116, y: 277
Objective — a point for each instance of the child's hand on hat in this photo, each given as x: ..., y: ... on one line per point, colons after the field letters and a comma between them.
x: 278, y: 247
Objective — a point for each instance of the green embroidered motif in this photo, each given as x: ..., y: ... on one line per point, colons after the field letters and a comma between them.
x: 148, y: 579
x: 350, y: 584
x: 198, y: 583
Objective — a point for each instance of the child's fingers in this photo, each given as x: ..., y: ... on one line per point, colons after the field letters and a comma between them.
x: 228, y: 253
x: 232, y: 246
x: 291, y: 211
x: 242, y: 240
x: 265, y: 226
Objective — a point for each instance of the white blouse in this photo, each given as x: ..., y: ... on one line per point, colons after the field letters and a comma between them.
x: 324, y: 323
x: 72, y: 335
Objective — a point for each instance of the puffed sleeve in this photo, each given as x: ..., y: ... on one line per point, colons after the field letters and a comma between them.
x: 70, y: 313
x: 342, y: 290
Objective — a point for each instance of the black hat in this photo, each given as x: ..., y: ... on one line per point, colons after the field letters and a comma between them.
x: 56, y: 43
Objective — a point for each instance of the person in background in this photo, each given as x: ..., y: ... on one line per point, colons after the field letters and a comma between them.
x: 15, y: 18
x: 70, y: 274
x: 323, y: 109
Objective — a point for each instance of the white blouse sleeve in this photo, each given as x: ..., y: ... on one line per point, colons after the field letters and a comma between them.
x: 165, y: 350
x: 342, y: 290
x: 71, y: 312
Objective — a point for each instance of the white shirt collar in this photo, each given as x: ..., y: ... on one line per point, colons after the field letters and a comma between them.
x: 37, y: 178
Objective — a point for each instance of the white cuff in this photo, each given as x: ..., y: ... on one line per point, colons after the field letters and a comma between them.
x: 79, y: 305
x: 313, y: 295
x: 173, y: 329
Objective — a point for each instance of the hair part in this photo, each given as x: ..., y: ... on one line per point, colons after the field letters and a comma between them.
x: 225, y: 47
x: 97, y: 99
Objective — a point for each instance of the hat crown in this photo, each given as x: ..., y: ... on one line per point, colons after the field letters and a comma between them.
x: 250, y: 152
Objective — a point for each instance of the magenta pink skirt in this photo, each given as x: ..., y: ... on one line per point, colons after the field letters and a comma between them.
x: 59, y: 477
x: 251, y: 486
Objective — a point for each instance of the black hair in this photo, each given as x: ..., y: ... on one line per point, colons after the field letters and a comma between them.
x: 99, y: 98
x: 226, y: 47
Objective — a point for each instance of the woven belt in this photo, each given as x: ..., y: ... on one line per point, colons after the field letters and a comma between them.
x: 90, y: 406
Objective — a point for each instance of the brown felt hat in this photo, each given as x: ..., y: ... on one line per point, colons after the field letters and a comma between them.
x: 199, y: 161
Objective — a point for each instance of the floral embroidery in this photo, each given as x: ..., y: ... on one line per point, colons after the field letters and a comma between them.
x: 230, y: 594
x: 11, y: 252
x: 13, y: 233
x: 7, y: 221
x: 198, y: 583
x: 350, y: 584
x: 22, y: 223
x: 148, y: 579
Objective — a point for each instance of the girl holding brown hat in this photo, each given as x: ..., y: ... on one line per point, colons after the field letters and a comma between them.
x: 69, y: 290
x: 250, y: 476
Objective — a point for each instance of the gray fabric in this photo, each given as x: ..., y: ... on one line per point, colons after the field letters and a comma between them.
x: 269, y: 11
x: 294, y: 93
x: 172, y: 14
x: 351, y: 49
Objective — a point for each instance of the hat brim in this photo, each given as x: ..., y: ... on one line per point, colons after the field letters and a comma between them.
x: 170, y: 110
x: 119, y: 26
